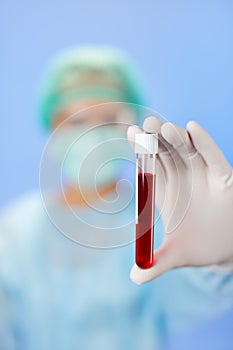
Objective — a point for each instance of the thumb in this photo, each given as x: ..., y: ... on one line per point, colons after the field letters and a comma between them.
x: 131, y: 132
x: 164, y: 261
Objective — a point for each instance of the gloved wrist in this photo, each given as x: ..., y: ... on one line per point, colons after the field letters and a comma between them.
x: 223, y: 268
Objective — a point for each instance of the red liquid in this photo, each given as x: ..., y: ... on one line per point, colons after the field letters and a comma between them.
x: 145, y: 225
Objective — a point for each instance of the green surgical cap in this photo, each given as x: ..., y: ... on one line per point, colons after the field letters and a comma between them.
x: 86, y: 73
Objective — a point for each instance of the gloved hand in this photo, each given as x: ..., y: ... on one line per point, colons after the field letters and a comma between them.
x: 194, y: 196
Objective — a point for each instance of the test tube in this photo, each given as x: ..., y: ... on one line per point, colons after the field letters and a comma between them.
x: 146, y: 148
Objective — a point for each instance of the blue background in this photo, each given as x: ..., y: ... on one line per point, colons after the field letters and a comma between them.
x: 185, y: 49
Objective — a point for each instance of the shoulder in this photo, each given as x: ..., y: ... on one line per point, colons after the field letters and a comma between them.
x: 20, y: 214
x: 18, y: 234
x: 26, y: 201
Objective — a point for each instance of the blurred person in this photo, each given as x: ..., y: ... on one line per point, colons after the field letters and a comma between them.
x: 56, y: 294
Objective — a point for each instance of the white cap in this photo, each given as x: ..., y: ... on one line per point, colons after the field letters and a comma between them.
x: 146, y: 143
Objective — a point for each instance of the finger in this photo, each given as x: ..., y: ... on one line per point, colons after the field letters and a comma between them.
x: 212, y: 155
x: 179, y: 139
x: 131, y: 132
x: 153, y: 125
x: 163, y: 263
x: 167, y: 156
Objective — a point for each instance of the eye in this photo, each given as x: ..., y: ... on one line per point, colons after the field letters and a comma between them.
x: 112, y: 118
x: 78, y: 120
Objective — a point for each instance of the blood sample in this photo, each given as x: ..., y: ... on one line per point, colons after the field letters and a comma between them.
x: 146, y: 148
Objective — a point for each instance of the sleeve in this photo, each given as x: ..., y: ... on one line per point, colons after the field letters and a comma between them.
x: 13, y: 238
x: 6, y: 326
x: 191, y: 296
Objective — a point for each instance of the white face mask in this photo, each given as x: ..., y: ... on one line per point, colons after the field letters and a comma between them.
x: 89, y: 157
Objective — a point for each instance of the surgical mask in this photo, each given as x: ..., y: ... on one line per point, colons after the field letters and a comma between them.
x: 91, y: 156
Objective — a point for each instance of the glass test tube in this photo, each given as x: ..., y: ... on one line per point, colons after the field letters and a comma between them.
x: 146, y: 148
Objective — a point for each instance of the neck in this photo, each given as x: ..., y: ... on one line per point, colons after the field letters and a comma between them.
x: 74, y: 196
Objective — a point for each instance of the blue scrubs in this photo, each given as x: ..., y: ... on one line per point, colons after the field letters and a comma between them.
x: 56, y: 294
